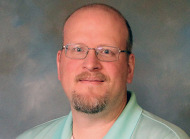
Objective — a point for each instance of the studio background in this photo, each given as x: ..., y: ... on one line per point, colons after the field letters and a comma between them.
x: 30, y: 36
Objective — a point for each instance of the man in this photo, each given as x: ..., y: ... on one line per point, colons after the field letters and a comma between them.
x: 94, y: 66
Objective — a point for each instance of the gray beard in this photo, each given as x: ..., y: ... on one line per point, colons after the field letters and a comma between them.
x: 84, y: 104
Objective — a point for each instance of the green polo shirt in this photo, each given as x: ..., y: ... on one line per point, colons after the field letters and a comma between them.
x: 133, y: 123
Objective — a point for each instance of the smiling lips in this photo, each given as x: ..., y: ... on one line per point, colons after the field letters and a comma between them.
x: 91, y: 78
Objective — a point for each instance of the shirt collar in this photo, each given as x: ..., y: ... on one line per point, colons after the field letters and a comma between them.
x: 127, y: 121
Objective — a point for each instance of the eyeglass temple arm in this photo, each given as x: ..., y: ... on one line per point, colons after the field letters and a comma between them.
x: 128, y: 52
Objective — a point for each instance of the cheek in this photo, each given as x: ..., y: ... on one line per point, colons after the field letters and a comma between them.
x: 118, y: 75
x: 117, y: 72
x: 117, y: 82
x: 68, y: 74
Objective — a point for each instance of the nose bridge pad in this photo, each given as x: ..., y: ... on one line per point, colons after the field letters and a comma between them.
x: 86, y: 54
x: 96, y: 53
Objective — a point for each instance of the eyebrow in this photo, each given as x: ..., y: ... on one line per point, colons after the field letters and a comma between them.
x: 103, y: 44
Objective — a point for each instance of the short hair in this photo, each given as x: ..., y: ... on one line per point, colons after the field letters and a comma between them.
x: 129, y: 42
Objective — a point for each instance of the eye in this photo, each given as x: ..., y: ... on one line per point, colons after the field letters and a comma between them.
x: 106, y: 51
x: 77, y: 49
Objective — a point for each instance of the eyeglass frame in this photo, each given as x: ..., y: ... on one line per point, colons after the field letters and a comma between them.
x: 119, y: 51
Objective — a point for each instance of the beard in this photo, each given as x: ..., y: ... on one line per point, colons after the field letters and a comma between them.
x: 89, y: 105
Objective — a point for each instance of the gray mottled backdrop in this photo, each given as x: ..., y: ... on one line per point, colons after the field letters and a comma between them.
x: 30, y: 36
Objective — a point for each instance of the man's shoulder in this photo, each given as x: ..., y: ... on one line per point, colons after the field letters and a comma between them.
x: 151, y: 125
x: 43, y: 129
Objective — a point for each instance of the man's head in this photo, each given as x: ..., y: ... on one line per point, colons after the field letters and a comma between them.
x: 90, y: 84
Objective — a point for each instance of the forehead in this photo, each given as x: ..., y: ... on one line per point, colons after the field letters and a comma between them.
x: 99, y: 12
x: 95, y: 20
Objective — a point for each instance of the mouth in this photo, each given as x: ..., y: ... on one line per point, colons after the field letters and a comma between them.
x: 91, y: 80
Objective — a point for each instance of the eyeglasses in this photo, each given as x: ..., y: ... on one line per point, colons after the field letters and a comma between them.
x: 103, y: 53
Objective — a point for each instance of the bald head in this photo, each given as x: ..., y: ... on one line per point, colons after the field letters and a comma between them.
x: 100, y: 13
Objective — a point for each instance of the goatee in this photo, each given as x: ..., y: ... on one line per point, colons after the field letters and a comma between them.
x: 88, y: 105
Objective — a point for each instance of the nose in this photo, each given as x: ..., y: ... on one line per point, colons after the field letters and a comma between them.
x: 91, y: 61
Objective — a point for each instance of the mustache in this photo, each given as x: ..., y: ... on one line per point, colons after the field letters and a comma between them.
x: 91, y: 76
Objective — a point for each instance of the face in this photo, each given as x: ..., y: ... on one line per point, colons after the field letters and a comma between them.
x: 92, y: 85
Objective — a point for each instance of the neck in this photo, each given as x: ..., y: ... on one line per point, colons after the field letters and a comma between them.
x: 96, y: 126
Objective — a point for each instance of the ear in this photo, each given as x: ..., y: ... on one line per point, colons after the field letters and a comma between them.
x: 59, y: 64
x: 131, y: 67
